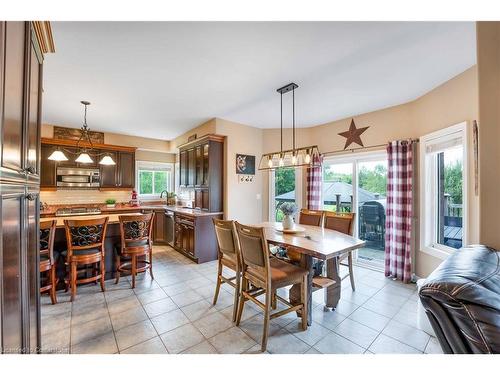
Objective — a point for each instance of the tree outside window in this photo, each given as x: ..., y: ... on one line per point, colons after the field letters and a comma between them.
x: 153, y: 182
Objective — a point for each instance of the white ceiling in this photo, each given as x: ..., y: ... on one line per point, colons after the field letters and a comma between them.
x: 160, y: 79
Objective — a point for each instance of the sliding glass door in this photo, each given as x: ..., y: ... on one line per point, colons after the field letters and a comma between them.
x: 359, y: 184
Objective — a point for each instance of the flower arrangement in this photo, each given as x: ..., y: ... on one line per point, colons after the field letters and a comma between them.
x: 288, y: 208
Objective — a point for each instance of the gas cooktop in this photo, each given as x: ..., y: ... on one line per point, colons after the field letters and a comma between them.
x: 74, y: 211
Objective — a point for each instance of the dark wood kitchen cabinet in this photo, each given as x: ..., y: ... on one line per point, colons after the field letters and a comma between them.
x: 109, y: 172
x: 47, y: 167
x: 126, y: 169
x: 22, y: 45
x: 194, y: 236
x: 120, y: 176
x: 159, y: 228
x: 201, y: 166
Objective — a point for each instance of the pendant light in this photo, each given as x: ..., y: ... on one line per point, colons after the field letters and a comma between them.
x: 84, y: 154
x: 57, y: 155
x: 296, y: 157
x: 107, y: 160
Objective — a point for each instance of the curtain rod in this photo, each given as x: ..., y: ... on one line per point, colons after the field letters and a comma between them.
x: 361, y: 148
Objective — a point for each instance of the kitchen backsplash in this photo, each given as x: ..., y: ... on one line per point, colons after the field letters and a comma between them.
x: 83, y: 196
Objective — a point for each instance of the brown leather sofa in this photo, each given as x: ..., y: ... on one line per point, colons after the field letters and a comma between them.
x: 462, y: 300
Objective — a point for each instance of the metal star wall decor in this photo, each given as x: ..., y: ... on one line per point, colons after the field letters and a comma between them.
x: 353, y: 135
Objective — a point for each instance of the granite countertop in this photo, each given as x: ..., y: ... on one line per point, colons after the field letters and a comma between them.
x: 125, y: 207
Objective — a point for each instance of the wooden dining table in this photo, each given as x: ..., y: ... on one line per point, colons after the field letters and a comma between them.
x: 315, y: 243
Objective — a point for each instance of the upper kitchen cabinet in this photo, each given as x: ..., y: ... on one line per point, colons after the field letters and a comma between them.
x: 109, y: 173
x: 120, y: 176
x: 126, y: 166
x: 201, y: 167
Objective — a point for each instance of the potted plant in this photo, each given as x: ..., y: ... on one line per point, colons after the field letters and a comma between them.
x: 171, y: 198
x: 110, y: 203
x: 288, y: 209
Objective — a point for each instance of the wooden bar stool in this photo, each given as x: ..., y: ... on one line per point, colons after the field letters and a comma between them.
x: 47, y: 261
x: 85, y: 239
x: 229, y: 257
x: 266, y: 275
x: 136, y: 232
x: 342, y: 222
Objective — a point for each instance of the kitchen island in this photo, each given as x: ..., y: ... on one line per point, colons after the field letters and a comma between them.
x: 192, y: 231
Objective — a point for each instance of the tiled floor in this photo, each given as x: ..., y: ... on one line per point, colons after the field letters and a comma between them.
x: 174, y: 314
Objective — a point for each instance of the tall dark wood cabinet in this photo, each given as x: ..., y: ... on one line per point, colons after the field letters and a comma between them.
x: 22, y: 45
x: 201, y: 167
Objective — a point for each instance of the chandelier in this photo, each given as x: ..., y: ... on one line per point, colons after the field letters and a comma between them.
x: 84, y: 153
x: 296, y: 157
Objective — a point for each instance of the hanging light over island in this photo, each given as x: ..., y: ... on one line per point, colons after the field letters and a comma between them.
x: 296, y: 157
x: 83, y: 153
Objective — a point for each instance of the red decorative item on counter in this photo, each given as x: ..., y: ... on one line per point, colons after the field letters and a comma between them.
x: 134, y: 201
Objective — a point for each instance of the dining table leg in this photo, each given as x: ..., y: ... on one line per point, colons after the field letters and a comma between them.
x: 332, y: 294
x: 306, y: 262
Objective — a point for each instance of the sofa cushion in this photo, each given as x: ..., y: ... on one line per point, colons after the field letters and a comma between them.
x: 462, y: 300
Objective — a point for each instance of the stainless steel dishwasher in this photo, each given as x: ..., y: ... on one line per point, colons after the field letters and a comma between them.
x: 169, y: 227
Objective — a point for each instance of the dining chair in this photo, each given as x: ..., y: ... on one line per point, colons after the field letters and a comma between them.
x: 229, y: 256
x: 47, y: 260
x: 85, y: 242
x: 310, y: 217
x: 262, y: 274
x: 342, y: 222
x: 136, y: 244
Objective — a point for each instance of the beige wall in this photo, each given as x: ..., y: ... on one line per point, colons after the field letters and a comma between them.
x: 208, y: 127
x: 242, y: 201
x: 488, y: 61
x: 452, y: 102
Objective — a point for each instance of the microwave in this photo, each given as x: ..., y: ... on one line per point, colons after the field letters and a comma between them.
x: 79, y: 178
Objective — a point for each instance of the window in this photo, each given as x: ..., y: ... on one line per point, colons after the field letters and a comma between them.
x: 284, y: 186
x: 443, y: 192
x: 153, y: 178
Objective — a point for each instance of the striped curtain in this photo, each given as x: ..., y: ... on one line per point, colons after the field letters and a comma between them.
x: 399, y: 210
x: 314, y: 179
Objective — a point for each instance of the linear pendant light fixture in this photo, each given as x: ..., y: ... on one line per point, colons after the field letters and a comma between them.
x: 83, y: 154
x: 296, y: 157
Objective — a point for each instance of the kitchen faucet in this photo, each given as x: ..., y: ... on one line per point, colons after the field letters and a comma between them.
x: 161, y: 194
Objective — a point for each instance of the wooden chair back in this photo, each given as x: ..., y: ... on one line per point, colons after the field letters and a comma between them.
x: 340, y: 221
x: 85, y: 234
x: 254, y: 251
x: 227, y: 239
x: 47, y: 235
x: 310, y: 217
x: 136, y: 231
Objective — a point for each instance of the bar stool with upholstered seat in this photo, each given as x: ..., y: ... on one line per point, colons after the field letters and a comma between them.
x: 342, y: 222
x: 85, y: 239
x: 136, y: 232
x: 229, y: 257
x: 266, y: 275
x: 47, y: 261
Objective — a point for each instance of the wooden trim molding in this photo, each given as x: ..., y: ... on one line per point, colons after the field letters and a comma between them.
x: 43, y: 33
x: 100, y: 146
x: 208, y: 137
